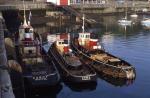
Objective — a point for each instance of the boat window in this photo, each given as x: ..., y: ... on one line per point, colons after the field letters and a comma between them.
x: 27, y: 30
x: 21, y: 30
x: 30, y: 51
x: 87, y: 36
x: 81, y: 36
x: 60, y: 43
x: 31, y: 31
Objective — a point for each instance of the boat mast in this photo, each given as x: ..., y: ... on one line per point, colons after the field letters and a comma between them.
x: 25, y: 22
x: 133, y: 4
x: 83, y: 18
x: 126, y: 9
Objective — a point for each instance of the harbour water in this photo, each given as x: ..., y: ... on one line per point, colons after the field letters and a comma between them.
x: 131, y: 43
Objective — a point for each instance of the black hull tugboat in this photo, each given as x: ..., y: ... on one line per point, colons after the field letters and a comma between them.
x: 92, y: 52
x: 71, y: 67
x: 37, y: 68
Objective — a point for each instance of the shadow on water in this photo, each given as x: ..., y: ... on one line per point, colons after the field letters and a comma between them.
x: 16, y: 80
x: 81, y: 87
x: 44, y: 92
x: 116, y: 81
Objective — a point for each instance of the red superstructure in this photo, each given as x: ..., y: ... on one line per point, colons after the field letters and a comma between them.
x: 63, y: 2
x: 59, y: 2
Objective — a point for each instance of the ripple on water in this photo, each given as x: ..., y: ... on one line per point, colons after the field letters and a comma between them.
x: 136, y: 47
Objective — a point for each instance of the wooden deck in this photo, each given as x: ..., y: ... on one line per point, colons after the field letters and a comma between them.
x: 73, y: 61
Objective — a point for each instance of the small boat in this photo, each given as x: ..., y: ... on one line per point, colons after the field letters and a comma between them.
x: 71, y: 67
x: 134, y: 15
x: 125, y: 22
x: 146, y: 22
x: 89, y: 49
x: 81, y: 87
x: 37, y: 68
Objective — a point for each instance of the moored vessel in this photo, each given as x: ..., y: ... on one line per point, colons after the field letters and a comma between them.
x: 124, y: 21
x: 90, y: 50
x: 103, y: 62
x: 37, y: 68
x: 71, y: 67
x: 146, y: 22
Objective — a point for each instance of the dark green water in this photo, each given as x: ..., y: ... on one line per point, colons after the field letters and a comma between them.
x: 131, y: 44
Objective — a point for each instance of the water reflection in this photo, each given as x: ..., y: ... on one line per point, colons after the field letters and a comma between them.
x: 44, y: 92
x: 146, y: 27
x: 16, y: 79
x: 116, y: 81
x: 124, y: 27
x: 25, y: 91
x: 81, y: 87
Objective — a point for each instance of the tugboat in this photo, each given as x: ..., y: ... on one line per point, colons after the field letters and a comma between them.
x: 92, y: 52
x: 71, y: 67
x: 102, y: 61
x: 37, y: 68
